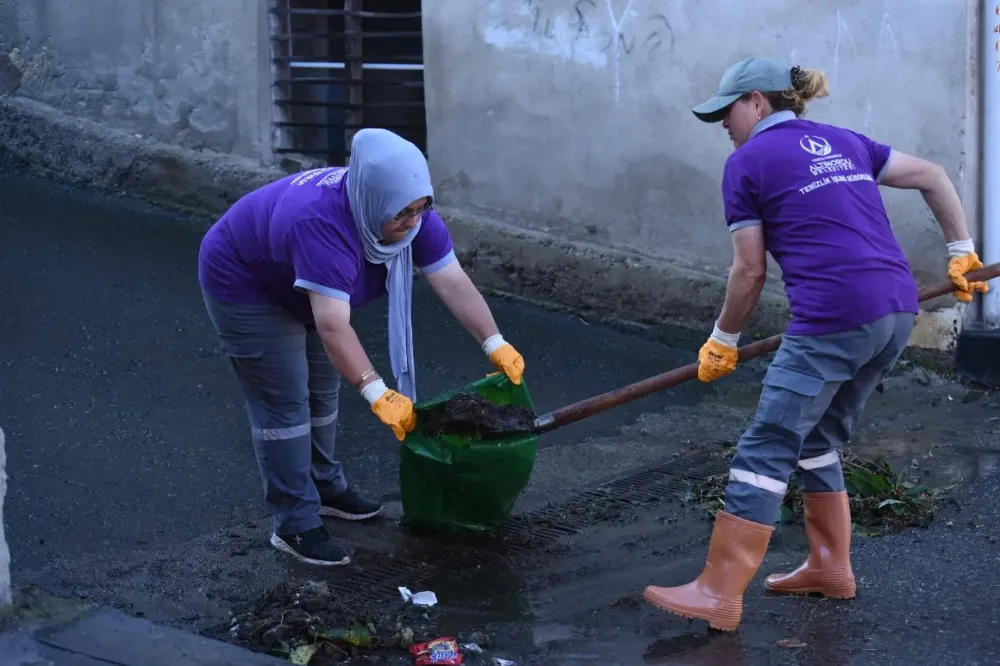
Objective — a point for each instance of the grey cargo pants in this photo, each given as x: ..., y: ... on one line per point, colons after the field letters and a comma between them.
x: 291, y: 390
x: 814, y: 392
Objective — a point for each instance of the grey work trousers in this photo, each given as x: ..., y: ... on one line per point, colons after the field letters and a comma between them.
x: 814, y: 392
x: 291, y: 390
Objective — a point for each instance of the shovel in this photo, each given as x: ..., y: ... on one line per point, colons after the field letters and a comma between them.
x: 605, y: 401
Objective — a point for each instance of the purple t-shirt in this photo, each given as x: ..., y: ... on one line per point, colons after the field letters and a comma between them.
x: 298, y: 234
x: 814, y: 188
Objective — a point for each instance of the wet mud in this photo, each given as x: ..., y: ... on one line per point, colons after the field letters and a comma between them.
x: 472, y: 415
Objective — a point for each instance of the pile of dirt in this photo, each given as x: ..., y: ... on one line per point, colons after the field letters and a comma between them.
x: 311, y: 619
x: 311, y: 624
x: 472, y: 415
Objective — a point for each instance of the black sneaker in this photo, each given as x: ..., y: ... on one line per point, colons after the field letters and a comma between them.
x: 348, y: 505
x: 314, y: 546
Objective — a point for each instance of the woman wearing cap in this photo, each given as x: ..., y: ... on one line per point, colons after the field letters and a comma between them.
x: 281, y: 273
x: 808, y: 193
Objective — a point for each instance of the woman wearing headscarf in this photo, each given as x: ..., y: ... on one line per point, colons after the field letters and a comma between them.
x: 808, y: 193
x: 281, y: 272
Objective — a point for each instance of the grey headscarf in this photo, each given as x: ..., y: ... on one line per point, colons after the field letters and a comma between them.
x: 387, y: 173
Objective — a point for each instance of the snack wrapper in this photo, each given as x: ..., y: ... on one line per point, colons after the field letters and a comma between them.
x: 439, y: 652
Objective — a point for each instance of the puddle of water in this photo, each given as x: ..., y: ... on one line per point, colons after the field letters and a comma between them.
x: 483, y: 603
x: 489, y: 599
x: 609, y: 651
x: 704, y: 649
x: 929, y: 456
x: 550, y: 633
x: 709, y: 649
x: 975, y: 465
x: 822, y: 638
x: 958, y: 464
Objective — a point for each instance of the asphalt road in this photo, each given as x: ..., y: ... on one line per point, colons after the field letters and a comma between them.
x: 126, y: 434
x: 125, y: 428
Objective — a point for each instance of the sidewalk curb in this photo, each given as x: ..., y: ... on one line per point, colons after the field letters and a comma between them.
x: 105, y: 637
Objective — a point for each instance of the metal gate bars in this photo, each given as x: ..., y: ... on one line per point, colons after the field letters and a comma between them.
x: 337, y: 68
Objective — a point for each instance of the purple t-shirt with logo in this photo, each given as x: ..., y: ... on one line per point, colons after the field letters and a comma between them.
x: 814, y: 189
x: 298, y: 234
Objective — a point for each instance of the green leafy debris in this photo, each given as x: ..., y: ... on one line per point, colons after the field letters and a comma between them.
x: 883, y: 500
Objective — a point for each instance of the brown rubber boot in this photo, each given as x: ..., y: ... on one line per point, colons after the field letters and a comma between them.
x: 827, y: 570
x: 716, y: 596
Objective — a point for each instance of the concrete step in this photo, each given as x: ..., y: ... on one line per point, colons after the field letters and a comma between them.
x: 105, y: 636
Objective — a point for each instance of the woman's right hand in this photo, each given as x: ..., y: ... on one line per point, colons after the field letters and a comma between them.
x: 392, y: 408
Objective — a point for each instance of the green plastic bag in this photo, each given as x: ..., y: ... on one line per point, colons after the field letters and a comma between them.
x: 456, y: 483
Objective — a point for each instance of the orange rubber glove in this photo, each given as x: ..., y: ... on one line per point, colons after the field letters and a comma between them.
x: 503, y: 355
x: 718, y: 356
x: 392, y: 408
x: 964, y: 259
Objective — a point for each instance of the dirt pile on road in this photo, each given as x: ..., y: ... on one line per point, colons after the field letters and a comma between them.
x: 309, y: 624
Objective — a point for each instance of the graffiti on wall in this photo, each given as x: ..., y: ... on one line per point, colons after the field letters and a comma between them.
x: 594, y: 33
x: 848, y: 45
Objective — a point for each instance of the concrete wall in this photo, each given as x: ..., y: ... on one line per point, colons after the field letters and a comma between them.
x: 185, y: 72
x: 560, y: 134
x: 569, y: 120
x: 169, y: 100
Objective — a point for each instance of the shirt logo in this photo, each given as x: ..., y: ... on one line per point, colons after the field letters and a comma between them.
x: 815, y: 145
x: 331, y: 176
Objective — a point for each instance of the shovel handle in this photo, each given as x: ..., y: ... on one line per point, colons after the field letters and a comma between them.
x: 600, y: 403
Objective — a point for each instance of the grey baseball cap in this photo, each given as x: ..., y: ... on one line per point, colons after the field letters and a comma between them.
x: 762, y: 74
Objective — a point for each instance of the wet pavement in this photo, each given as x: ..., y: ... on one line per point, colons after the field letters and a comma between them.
x: 133, y: 482
x: 924, y: 597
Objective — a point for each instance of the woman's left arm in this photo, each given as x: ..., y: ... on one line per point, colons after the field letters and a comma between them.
x: 455, y: 289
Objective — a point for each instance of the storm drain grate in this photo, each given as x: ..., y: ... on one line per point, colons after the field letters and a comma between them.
x: 527, y: 532
x: 378, y: 581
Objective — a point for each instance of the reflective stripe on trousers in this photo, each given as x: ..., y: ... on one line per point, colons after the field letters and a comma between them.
x: 813, y: 393
x: 291, y: 391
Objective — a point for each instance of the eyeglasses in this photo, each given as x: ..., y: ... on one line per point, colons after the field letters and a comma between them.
x: 409, y: 212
